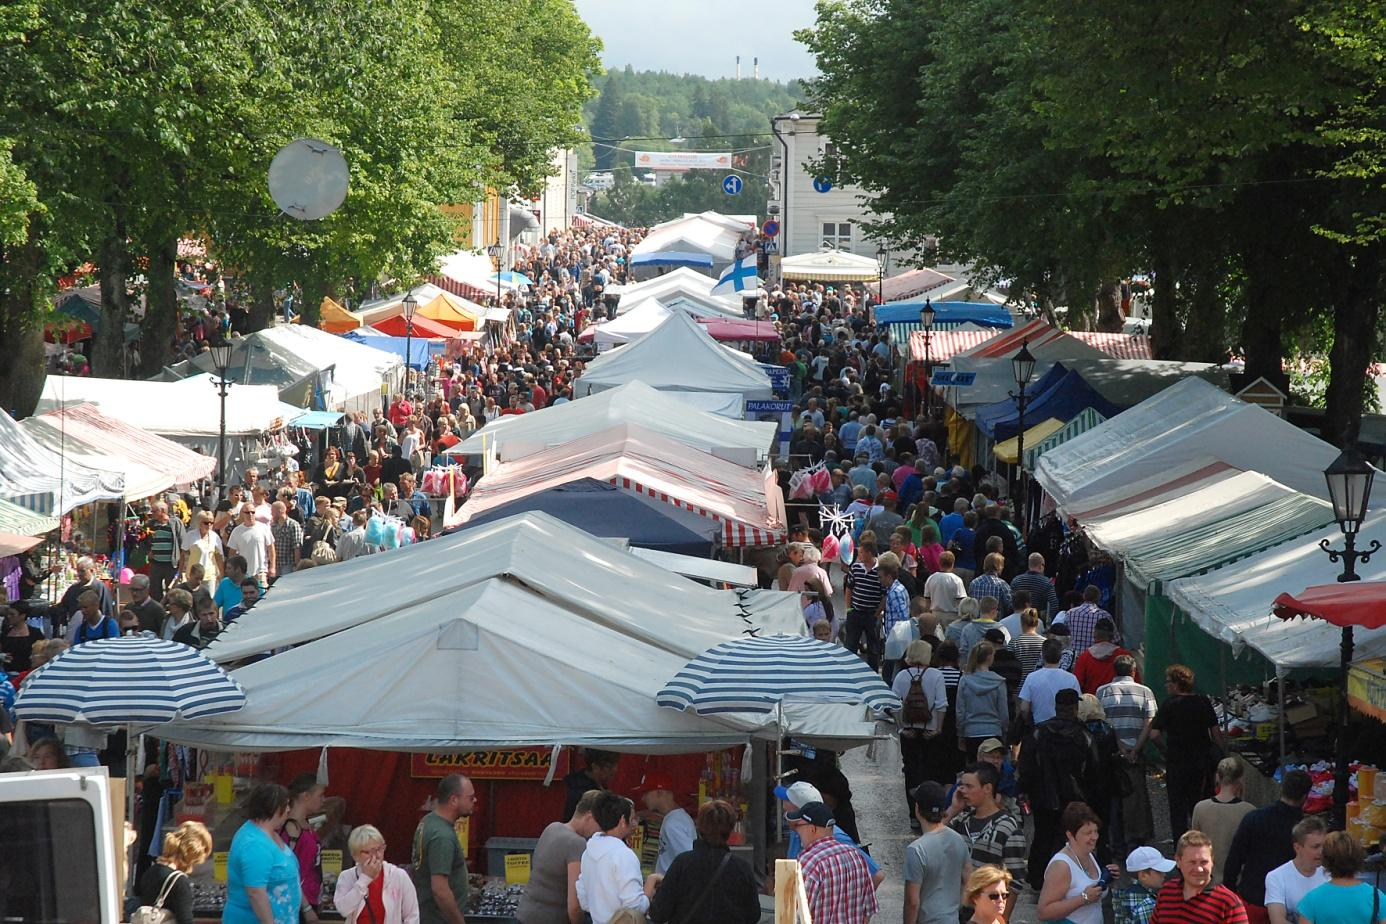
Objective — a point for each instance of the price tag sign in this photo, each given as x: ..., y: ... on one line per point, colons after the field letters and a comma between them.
x: 332, y: 862
x: 219, y: 865
x: 463, y: 827
x: 517, y: 869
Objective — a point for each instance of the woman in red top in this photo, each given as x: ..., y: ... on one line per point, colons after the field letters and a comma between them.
x: 374, y: 891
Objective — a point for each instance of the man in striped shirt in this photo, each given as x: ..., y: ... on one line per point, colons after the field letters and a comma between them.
x: 1192, y: 898
x: 1130, y: 707
x: 1043, y: 597
x: 864, y: 595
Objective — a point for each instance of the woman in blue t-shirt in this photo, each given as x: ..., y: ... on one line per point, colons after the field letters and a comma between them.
x: 1343, y: 899
x: 262, y: 884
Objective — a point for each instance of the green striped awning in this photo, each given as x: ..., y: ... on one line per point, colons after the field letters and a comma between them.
x: 18, y: 521
x: 1087, y: 419
x: 1213, y: 545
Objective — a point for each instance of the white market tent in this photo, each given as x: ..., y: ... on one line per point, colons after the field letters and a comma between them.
x: 746, y: 442
x: 677, y: 356
x: 681, y: 281
x: 710, y: 233
x: 150, y: 464
x: 830, y: 266
x: 1233, y: 603
x: 182, y: 410
x: 390, y: 306
x: 40, y: 479
x: 457, y: 659
x: 1190, y: 420
x: 351, y: 373
x: 631, y: 325
x: 745, y: 505
x: 1183, y: 508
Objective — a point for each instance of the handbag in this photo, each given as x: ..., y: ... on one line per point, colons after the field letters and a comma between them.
x: 156, y: 913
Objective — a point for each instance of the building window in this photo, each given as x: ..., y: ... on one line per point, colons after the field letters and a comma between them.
x: 837, y: 235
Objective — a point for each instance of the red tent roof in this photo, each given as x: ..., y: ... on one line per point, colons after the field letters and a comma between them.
x: 1360, y: 603
x: 423, y: 327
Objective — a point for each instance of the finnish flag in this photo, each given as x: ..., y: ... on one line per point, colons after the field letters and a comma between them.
x: 740, y: 276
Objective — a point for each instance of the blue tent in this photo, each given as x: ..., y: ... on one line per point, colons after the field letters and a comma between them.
x: 672, y: 258
x: 947, y: 315
x: 604, y: 510
x: 421, y: 347
x: 1062, y: 401
x: 989, y: 415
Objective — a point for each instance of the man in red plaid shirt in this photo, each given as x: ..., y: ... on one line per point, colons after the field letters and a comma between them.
x: 836, y: 877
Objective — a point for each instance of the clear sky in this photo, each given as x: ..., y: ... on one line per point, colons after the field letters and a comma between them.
x: 702, y: 36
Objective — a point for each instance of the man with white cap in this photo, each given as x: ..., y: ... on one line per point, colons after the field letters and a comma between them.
x: 1136, y: 903
x: 800, y: 794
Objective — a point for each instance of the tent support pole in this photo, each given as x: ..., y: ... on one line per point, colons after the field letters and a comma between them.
x: 1222, y: 677
x: 760, y: 795
x: 1280, y: 707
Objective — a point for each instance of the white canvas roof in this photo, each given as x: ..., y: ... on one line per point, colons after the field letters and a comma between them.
x: 1233, y: 603
x: 40, y: 479
x: 678, y: 355
x: 829, y: 266
x: 1186, y: 421
x: 379, y: 309
x: 187, y: 407
x: 1184, y: 509
x: 644, y: 317
x: 551, y: 559
x: 681, y: 281
x: 710, y: 233
x: 709, y: 569
x: 746, y: 504
x: 745, y: 442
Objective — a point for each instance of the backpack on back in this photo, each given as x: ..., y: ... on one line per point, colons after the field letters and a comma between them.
x: 915, y: 708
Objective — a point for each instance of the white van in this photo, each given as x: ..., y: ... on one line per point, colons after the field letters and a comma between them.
x: 58, y: 847
x: 599, y: 181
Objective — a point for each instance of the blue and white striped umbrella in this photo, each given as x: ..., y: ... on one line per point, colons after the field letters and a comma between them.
x: 132, y: 680
x: 757, y: 674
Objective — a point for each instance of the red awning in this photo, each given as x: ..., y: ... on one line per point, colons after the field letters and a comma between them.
x: 423, y: 327
x: 1361, y: 603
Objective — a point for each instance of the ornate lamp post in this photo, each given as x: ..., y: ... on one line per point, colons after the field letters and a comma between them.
x: 410, y: 305
x: 1349, y: 488
x: 926, y: 321
x: 1023, y: 365
x: 221, y: 360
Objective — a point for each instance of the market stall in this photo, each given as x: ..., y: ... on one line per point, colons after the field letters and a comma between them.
x: 40, y: 479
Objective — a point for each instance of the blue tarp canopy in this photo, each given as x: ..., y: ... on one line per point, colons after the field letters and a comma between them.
x: 947, y: 315
x: 421, y: 348
x: 606, y: 511
x: 317, y: 420
x: 989, y: 415
x: 1064, y: 400
x: 672, y: 258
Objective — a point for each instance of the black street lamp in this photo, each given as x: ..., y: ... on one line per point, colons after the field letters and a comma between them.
x: 1023, y: 365
x: 409, y: 306
x: 1349, y: 488
x: 926, y: 321
x: 495, y: 252
x: 882, y: 263
x: 221, y: 360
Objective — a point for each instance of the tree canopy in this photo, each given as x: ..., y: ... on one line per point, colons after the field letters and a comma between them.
x: 1234, y: 152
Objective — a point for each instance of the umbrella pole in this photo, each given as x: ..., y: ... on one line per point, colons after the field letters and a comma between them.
x: 1340, y: 764
x: 779, y: 767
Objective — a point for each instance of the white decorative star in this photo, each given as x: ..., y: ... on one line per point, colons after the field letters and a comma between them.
x: 834, y: 520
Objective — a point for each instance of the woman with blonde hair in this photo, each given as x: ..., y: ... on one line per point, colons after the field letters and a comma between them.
x: 374, y: 891
x: 166, y: 884
x: 987, y: 890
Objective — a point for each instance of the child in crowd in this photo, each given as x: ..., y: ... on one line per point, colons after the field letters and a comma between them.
x: 1136, y: 903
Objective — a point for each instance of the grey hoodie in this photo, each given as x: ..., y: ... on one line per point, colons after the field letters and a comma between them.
x: 981, y: 705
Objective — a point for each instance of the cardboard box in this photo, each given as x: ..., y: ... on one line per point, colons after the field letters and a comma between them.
x: 1305, y: 712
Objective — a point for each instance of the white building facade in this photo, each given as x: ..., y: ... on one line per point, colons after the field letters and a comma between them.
x: 814, y: 214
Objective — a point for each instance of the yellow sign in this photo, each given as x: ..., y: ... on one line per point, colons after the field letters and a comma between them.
x: 637, y: 839
x: 332, y: 862
x: 463, y: 827
x: 219, y: 865
x: 517, y: 869
x: 223, y: 789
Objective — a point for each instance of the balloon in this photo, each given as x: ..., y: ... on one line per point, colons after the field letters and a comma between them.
x: 830, y: 547
x: 846, y: 550
x: 126, y: 574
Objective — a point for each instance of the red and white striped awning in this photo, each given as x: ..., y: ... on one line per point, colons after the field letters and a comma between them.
x: 1032, y: 333
x: 460, y: 288
x: 745, y: 503
x: 945, y: 344
x: 1119, y: 346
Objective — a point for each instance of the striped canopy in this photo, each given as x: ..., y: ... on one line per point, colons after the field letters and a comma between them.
x: 132, y: 680
x: 757, y: 674
x: 21, y: 521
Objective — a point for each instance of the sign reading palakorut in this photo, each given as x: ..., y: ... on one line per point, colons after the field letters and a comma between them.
x: 510, y: 764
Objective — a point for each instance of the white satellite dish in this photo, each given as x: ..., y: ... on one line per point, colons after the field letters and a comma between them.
x: 308, y: 179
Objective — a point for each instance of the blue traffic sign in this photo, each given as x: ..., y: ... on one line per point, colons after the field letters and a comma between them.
x: 771, y: 228
x: 945, y: 378
x: 822, y: 184
x: 731, y: 184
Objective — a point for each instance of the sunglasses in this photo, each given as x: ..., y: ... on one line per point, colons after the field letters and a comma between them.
x: 997, y: 896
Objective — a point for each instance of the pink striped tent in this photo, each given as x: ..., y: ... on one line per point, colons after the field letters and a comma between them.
x: 945, y: 344
x: 1119, y: 346
x: 746, y: 504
